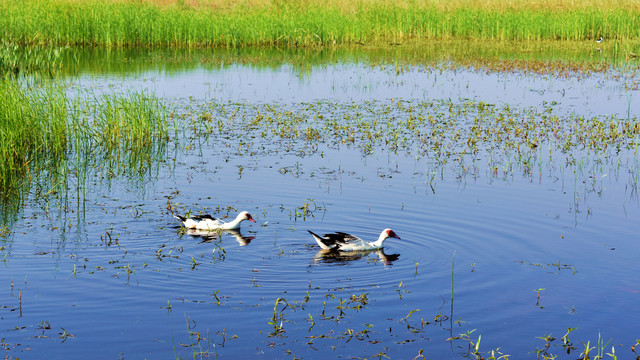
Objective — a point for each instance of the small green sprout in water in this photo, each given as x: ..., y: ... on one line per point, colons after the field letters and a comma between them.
x: 493, y: 353
x: 548, y: 339
x: 420, y: 355
x: 566, y: 343
x: 538, y: 300
x: 410, y: 327
x: 65, y: 335
x: 44, y: 325
x: 470, y: 344
x: 277, y: 320
x: 633, y: 349
x: 585, y: 355
x: 215, y: 295
x: 169, y: 307
x: 194, y: 264
x: 601, y: 346
x: 400, y: 290
x: 313, y: 323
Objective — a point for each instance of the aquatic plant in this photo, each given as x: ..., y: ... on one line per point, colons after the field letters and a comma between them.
x: 33, y: 133
x: 45, y: 139
x: 132, y: 130
x: 134, y: 23
x: 442, y: 131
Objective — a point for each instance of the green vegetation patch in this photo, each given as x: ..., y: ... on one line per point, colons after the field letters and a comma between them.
x: 46, y: 138
x: 33, y: 130
x: 106, y: 23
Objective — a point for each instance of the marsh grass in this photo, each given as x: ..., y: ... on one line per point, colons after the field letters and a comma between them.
x: 309, y: 23
x: 48, y: 141
x: 33, y: 132
x: 132, y: 130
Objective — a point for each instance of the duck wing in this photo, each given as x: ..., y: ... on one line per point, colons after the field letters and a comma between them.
x: 204, y: 217
x: 342, y: 238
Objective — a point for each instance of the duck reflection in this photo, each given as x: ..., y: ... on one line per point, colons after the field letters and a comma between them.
x: 213, y: 236
x: 336, y: 256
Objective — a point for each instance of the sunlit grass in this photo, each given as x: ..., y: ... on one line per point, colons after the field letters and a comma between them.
x: 33, y: 130
x: 307, y: 23
x: 46, y: 139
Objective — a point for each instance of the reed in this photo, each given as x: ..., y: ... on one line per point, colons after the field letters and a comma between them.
x: 118, y: 134
x: 308, y: 23
x: 45, y: 139
x: 33, y: 130
x: 132, y: 122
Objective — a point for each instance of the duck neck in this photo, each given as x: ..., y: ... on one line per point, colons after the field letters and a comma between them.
x: 234, y: 224
x: 381, y: 239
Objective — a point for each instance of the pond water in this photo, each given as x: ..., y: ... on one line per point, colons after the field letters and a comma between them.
x: 498, y: 248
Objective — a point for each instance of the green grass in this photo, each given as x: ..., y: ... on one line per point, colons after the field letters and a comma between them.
x: 33, y: 130
x: 131, y: 130
x: 105, y: 23
x: 45, y: 139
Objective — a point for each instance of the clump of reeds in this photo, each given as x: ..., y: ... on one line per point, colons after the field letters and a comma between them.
x: 33, y: 130
x: 131, y: 122
x: 42, y: 132
x: 163, y: 23
x: 131, y: 129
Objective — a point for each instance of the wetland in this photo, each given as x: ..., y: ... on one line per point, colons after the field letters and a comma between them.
x: 510, y: 171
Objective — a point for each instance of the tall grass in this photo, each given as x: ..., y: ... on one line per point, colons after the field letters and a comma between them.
x: 33, y: 130
x: 141, y: 23
x: 46, y: 139
x: 131, y: 130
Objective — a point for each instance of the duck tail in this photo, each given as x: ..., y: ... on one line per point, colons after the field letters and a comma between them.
x: 322, y: 242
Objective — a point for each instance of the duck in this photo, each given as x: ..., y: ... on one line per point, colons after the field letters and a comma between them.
x: 346, y: 242
x: 208, y: 222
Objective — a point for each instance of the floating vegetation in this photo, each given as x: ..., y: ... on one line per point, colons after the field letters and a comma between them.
x: 559, y: 266
x: 468, y: 138
x: 311, y: 23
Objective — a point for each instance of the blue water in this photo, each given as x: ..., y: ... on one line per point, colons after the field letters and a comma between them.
x: 117, y: 273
